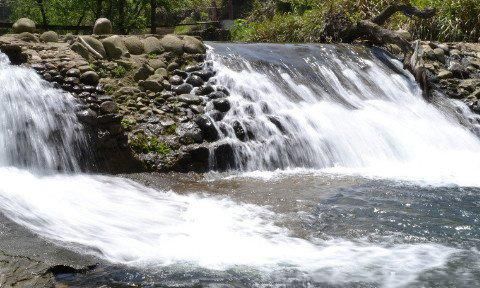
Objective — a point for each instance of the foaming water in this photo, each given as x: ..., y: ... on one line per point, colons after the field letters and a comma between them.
x: 339, y: 108
x: 127, y: 223
x: 38, y: 126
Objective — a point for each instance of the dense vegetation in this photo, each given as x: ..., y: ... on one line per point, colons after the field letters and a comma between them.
x: 304, y: 20
x: 126, y: 15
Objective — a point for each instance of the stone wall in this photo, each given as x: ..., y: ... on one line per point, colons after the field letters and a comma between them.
x: 142, y: 98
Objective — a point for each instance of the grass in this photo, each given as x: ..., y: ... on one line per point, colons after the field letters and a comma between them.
x: 148, y: 144
x: 119, y: 72
x: 170, y: 130
x: 128, y: 123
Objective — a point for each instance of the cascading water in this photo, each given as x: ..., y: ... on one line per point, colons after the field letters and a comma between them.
x: 38, y: 126
x: 344, y: 108
x: 359, y: 114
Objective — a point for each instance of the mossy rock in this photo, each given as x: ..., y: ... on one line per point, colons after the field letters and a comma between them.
x: 49, y: 36
x: 134, y: 45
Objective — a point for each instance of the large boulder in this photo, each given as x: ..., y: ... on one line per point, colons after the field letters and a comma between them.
x: 27, y: 37
x: 193, y: 46
x: 49, y: 36
x: 172, y: 43
x: 95, y: 44
x: 115, y: 47
x: 152, y: 45
x: 102, y: 26
x: 24, y: 25
x: 134, y: 45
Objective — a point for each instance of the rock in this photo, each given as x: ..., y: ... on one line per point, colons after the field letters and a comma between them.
x: 71, y: 80
x: 157, y: 63
x: 222, y: 105
x: 216, y: 115
x: 175, y: 80
x: 95, y: 44
x: 162, y: 72
x: 204, y: 74
x: 27, y: 37
x: 80, y: 50
x: 143, y: 73
x: 172, y: 43
x: 184, y: 88
x: 49, y: 36
x: 217, y: 95
x: 205, y: 90
x: 134, y: 45
x: 193, y: 46
x: 87, y: 116
x: 189, y: 133
x: 192, y: 68
x: 114, y: 47
x: 74, y: 72
x: 455, y: 53
x: 102, y: 26
x: 444, y: 74
x: 152, y: 45
x: 173, y: 66
x: 239, y: 131
x: 469, y: 84
x: 439, y: 54
x: 475, y: 94
x: 108, y: 107
x: 90, y: 78
x: 190, y: 99
x: 24, y: 25
x: 224, y: 156
x: 194, y: 80
x: 152, y: 84
x: 456, y: 68
x: 207, y: 127
x: 180, y: 73
x: 223, y: 90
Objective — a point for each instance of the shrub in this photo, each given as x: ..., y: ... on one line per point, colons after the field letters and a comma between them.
x: 119, y: 72
x: 456, y: 20
x: 147, y: 144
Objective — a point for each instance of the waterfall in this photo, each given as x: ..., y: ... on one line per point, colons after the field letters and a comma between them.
x: 337, y: 108
x: 38, y: 126
x: 323, y: 107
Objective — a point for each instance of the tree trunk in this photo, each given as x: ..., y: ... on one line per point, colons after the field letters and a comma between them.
x: 121, y: 16
x: 153, y: 16
x: 99, y: 9
x: 44, y: 14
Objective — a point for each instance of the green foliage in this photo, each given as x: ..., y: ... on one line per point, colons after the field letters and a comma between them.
x: 128, y: 123
x: 170, y: 130
x: 147, y: 144
x: 152, y: 55
x: 303, y: 20
x: 119, y: 72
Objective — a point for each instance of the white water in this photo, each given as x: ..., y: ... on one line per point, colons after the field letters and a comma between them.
x: 344, y: 112
x: 127, y: 223
x: 38, y: 126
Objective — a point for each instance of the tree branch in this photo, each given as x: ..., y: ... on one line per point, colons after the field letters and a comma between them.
x: 407, y: 9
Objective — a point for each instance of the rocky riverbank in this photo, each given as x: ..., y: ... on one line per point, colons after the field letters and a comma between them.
x: 142, y: 98
x: 454, y: 70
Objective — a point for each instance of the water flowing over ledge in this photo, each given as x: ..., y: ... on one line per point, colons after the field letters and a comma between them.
x: 376, y: 122
x: 343, y: 109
